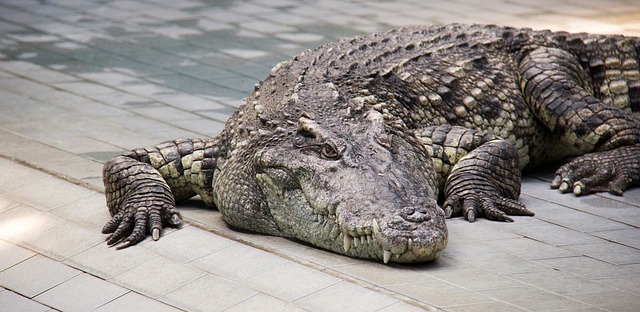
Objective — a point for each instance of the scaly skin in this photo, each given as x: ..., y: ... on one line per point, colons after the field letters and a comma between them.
x: 350, y: 146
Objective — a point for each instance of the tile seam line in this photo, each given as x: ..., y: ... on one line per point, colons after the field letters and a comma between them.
x: 31, y: 299
x: 53, y: 173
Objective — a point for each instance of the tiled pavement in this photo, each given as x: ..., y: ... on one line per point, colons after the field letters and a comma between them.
x: 83, y: 80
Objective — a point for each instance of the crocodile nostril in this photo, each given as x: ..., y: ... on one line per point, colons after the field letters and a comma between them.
x: 412, y: 214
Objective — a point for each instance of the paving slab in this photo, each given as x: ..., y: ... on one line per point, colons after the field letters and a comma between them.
x: 157, y: 277
x: 11, y: 301
x: 83, y: 292
x: 132, y: 301
x: 36, y: 275
x: 209, y: 293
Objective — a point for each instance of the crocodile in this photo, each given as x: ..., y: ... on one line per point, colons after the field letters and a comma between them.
x: 365, y: 146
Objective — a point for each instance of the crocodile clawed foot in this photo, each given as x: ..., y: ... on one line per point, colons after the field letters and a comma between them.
x: 492, y: 207
x: 132, y: 224
x: 610, y: 171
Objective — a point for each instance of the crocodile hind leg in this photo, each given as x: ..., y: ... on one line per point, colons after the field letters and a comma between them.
x: 478, y: 171
x: 142, y: 186
x: 558, y: 90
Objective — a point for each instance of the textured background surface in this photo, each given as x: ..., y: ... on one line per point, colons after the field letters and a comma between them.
x: 81, y: 81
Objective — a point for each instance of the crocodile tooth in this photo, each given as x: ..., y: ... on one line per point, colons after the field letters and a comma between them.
x: 362, y: 240
x: 347, y: 241
x: 376, y: 227
x: 386, y: 256
x: 369, y: 239
x: 356, y: 242
x: 410, y: 244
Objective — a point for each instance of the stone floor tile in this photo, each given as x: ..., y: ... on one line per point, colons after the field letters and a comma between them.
x: 483, y: 228
x: 300, y: 37
x: 532, y: 298
x: 552, y: 234
x: 64, y: 241
x: 146, y: 89
x: 609, y: 252
x: 581, y: 221
x: 611, y: 300
x: 19, y: 66
x: 49, y: 76
x: 22, y: 223
x: 89, y: 211
x: 588, y: 267
x: 317, y: 256
x: 238, y: 83
x: 47, y: 193
x: 165, y: 113
x: 290, y: 281
x: 201, y: 126
x: 106, y: 262
x: 402, y: 306
x: 123, y: 100
x: 440, y: 293
x: 605, y: 204
x: 157, y: 276
x: 245, y: 53
x: 384, y: 275
x: 10, y: 301
x: 262, y: 302
x: 498, y: 263
x: 132, y: 301
x: 461, y: 248
x: 35, y: 275
x: 561, y: 282
x: 11, y: 254
x: 187, y: 244
x: 622, y: 209
x: 238, y: 262
x: 81, y: 168
x: 345, y: 296
x: 12, y: 175
x: 6, y: 204
x: 84, y: 88
x: 474, y: 279
x: 83, y: 292
x: 229, y: 16
x: 628, y: 283
x: 270, y: 242
x: 495, y: 306
x: 530, y: 249
x: 208, y: 293
x: 191, y: 103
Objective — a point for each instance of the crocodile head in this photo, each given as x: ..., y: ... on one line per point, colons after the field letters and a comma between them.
x: 355, y: 189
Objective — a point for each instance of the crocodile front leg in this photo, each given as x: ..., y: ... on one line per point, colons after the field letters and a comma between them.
x: 478, y: 171
x: 142, y: 186
x: 558, y: 90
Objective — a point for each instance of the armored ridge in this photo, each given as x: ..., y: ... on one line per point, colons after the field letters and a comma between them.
x: 364, y: 146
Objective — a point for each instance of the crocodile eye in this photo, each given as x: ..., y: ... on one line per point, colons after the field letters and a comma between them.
x: 329, y: 150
